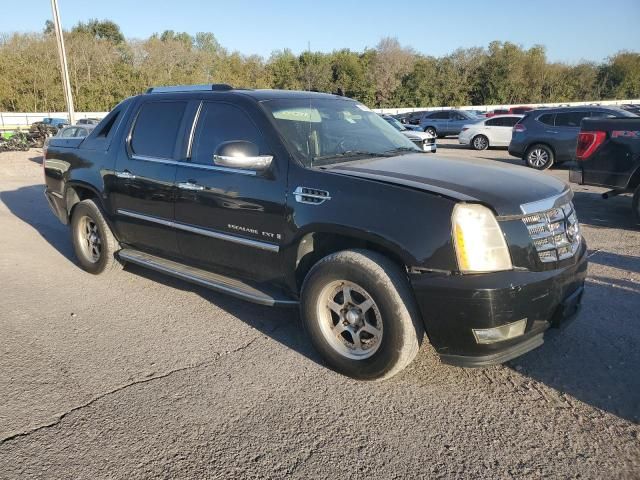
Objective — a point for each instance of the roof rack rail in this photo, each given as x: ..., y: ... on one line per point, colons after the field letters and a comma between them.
x: 191, y: 88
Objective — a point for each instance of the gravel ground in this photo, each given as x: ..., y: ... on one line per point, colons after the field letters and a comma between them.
x: 138, y: 375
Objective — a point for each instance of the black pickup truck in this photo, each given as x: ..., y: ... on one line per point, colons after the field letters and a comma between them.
x: 311, y: 200
x: 608, y: 155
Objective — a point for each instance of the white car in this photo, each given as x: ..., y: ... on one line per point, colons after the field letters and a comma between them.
x: 423, y: 140
x: 490, y: 132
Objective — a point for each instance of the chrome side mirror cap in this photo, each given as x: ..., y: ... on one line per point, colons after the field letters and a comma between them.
x: 242, y: 155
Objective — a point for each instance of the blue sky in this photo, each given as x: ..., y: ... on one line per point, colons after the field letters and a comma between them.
x: 571, y: 30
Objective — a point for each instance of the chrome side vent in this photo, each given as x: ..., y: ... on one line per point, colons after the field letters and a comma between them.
x: 311, y: 195
x: 555, y: 232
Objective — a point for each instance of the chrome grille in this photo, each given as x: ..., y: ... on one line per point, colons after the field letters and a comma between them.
x: 555, y: 232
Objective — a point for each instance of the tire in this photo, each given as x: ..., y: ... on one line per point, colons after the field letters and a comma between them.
x: 539, y: 156
x: 480, y: 142
x: 93, y: 242
x: 635, y: 204
x: 391, y: 311
x: 432, y: 131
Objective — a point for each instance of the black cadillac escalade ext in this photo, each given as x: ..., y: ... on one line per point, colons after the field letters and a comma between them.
x: 305, y: 199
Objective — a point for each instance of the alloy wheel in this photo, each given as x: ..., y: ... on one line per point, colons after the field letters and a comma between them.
x: 350, y: 320
x: 90, y: 241
x: 538, y: 158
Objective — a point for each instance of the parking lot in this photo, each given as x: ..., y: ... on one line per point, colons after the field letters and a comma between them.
x: 138, y: 375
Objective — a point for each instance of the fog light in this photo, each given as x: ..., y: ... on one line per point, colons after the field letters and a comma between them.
x: 499, y: 334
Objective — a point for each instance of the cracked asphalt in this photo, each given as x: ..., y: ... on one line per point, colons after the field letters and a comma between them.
x: 138, y: 375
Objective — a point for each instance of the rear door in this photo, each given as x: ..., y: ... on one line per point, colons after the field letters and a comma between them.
x: 227, y: 219
x: 567, y: 127
x: 503, y: 130
x: 456, y: 121
x: 143, y: 191
x: 439, y: 120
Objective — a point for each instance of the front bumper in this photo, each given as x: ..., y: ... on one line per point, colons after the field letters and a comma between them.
x: 453, y: 305
x: 430, y: 147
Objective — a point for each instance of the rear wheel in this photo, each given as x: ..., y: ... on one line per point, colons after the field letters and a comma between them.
x: 431, y: 131
x: 539, y: 157
x: 360, y: 313
x: 480, y: 142
x: 93, y: 242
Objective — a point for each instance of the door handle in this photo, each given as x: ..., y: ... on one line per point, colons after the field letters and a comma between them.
x: 125, y: 174
x: 190, y: 186
x: 551, y: 131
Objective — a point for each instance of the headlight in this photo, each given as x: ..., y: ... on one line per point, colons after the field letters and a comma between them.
x: 478, y: 239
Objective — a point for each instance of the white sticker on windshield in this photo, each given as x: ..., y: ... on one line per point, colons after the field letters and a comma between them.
x: 362, y: 107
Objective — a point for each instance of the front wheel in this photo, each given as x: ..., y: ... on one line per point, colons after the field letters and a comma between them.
x: 539, y: 157
x: 359, y: 311
x: 93, y: 242
x: 480, y: 142
x: 431, y: 131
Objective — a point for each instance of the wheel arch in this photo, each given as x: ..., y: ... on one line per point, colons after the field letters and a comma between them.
x: 481, y: 135
x: 316, y: 244
x: 634, y: 179
x: 546, y: 144
x: 76, y: 191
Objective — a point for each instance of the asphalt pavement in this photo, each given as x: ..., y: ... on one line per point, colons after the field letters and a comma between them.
x: 138, y: 375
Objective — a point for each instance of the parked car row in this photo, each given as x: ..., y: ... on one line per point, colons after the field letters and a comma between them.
x: 547, y: 136
x: 423, y: 140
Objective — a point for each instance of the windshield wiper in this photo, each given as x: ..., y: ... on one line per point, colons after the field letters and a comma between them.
x: 402, y: 149
x: 348, y: 154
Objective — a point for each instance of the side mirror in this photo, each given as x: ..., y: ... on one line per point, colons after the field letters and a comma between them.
x: 242, y: 155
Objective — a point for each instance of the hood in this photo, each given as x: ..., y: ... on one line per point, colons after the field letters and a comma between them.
x: 411, y: 134
x: 503, y: 187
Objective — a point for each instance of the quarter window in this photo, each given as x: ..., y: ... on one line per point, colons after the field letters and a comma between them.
x: 156, y: 129
x: 494, y: 122
x: 219, y: 123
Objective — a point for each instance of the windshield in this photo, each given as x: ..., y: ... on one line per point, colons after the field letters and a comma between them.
x: 327, y: 131
x: 395, y: 123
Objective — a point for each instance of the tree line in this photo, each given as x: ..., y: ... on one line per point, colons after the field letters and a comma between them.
x: 105, y: 67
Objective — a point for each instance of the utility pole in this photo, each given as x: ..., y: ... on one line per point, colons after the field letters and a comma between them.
x: 68, y: 97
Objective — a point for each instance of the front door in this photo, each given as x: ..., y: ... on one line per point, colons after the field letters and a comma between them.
x: 227, y: 219
x: 143, y: 190
x: 567, y: 128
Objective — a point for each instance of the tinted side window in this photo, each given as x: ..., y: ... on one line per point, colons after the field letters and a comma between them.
x: 219, y: 123
x: 601, y: 114
x: 570, y: 119
x: 547, y: 118
x: 439, y: 115
x: 457, y: 116
x: 156, y: 129
x: 493, y: 122
x: 509, y: 121
x: 68, y: 132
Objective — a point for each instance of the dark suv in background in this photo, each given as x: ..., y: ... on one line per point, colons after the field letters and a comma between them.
x: 547, y: 136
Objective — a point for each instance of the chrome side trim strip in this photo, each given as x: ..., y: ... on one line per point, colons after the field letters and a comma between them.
x: 165, y: 161
x: 270, y: 247
x: 547, y: 203
x: 193, y: 129
x: 55, y: 194
x: 201, y: 166
x: 144, y: 158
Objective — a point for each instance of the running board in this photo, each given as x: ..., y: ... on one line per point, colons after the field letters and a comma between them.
x: 214, y: 281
